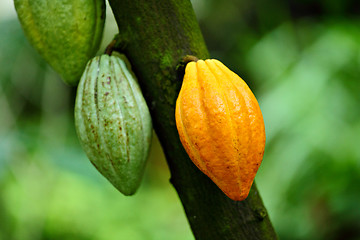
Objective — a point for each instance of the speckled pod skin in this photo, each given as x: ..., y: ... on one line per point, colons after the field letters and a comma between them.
x: 66, y: 33
x: 113, y: 122
x: 221, y: 126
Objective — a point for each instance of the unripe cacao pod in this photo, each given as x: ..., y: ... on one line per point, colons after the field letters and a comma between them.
x: 113, y: 122
x: 221, y: 126
x: 65, y: 33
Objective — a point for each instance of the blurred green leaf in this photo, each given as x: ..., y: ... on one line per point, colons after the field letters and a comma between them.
x: 307, y: 108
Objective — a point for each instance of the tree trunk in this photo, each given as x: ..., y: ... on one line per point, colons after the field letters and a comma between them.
x: 155, y: 35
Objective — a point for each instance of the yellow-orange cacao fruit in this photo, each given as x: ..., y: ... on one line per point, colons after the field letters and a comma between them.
x: 221, y: 126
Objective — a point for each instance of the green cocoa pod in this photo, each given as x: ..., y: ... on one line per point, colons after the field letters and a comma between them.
x: 113, y: 122
x: 66, y: 33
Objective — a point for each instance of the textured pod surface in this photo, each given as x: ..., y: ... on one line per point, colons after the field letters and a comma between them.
x: 221, y: 126
x: 66, y: 33
x: 113, y: 122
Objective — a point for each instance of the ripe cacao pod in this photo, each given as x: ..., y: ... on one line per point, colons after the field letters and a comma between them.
x: 65, y: 33
x: 221, y: 126
x: 113, y: 122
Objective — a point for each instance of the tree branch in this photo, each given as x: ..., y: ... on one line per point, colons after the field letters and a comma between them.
x: 158, y: 34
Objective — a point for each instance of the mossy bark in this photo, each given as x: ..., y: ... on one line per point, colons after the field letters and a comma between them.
x: 155, y: 35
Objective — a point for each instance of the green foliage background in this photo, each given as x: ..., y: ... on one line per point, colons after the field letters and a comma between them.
x: 302, y: 60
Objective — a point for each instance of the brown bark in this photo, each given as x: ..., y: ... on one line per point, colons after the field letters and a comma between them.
x: 155, y: 35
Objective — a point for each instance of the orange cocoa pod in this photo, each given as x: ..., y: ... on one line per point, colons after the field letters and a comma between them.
x: 221, y: 126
